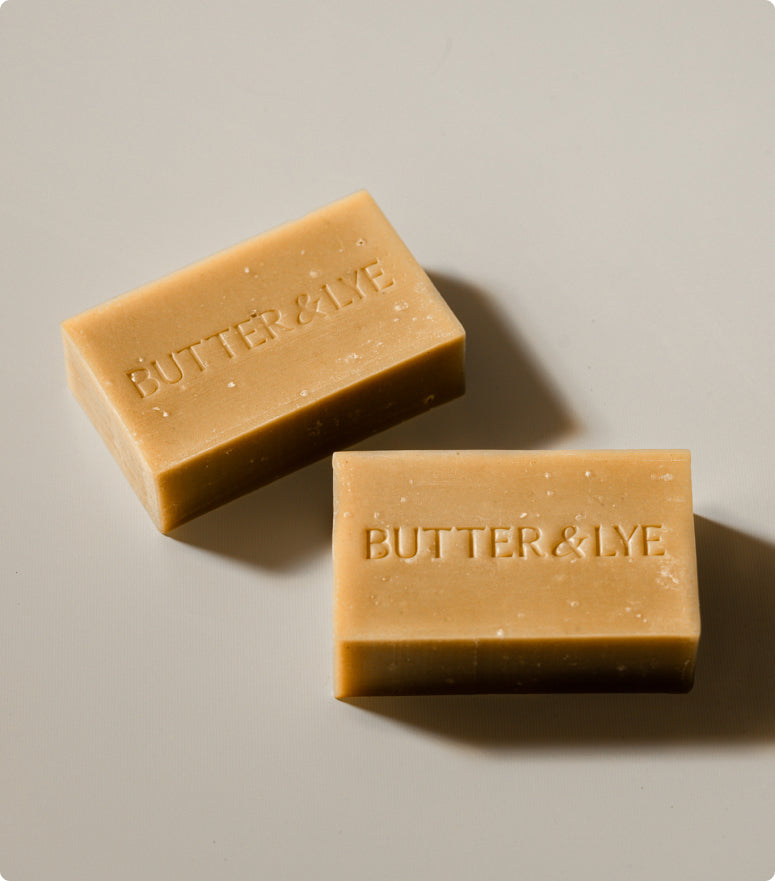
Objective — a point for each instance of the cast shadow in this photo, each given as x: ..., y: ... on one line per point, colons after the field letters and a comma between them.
x: 509, y: 403
x: 733, y: 698
x: 278, y: 527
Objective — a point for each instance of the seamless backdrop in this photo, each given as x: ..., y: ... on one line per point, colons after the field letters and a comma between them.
x: 592, y: 187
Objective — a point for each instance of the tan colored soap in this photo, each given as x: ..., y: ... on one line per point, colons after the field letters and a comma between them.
x: 234, y: 371
x: 490, y: 571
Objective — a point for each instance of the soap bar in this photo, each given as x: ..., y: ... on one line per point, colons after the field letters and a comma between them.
x: 236, y: 370
x: 492, y: 571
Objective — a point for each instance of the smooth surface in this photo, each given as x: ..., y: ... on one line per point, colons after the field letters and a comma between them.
x: 232, y: 372
x: 591, y: 186
x: 472, y: 571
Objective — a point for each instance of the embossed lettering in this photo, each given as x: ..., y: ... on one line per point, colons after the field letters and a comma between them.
x: 197, y: 360
x: 525, y: 541
x: 308, y: 308
x: 376, y: 538
x: 436, y: 531
x: 400, y: 550
x: 518, y: 542
x: 599, y: 552
x: 271, y: 319
x: 261, y: 327
x: 221, y: 337
x: 332, y: 297
x: 570, y: 543
x: 171, y: 377
x: 352, y: 283
x: 471, y: 544
x: 626, y: 538
x: 376, y: 274
x: 143, y: 381
x: 499, y: 536
x: 649, y: 539
x: 247, y: 335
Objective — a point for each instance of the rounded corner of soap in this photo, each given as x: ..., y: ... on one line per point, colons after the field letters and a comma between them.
x: 66, y: 329
x: 361, y: 195
x: 687, y: 682
x: 338, y: 461
x: 680, y: 455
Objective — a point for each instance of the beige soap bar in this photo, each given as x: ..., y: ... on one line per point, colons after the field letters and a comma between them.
x: 500, y: 571
x: 236, y: 370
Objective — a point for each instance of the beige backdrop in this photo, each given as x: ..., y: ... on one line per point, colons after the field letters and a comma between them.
x: 592, y: 187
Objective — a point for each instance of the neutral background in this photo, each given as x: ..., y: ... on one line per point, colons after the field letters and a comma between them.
x: 592, y: 187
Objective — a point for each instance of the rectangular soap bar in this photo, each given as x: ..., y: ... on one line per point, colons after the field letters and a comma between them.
x: 491, y: 571
x: 234, y: 371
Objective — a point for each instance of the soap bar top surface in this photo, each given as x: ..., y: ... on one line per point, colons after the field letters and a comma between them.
x: 261, y: 330
x: 512, y: 547
x: 263, y: 358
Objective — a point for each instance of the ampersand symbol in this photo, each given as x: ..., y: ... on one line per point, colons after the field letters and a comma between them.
x: 308, y: 308
x: 570, y: 544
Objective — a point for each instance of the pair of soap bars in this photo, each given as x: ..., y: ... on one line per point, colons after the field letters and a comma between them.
x: 455, y: 572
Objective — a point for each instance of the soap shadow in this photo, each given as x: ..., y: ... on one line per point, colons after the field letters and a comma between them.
x: 278, y: 527
x: 510, y: 401
x: 733, y: 697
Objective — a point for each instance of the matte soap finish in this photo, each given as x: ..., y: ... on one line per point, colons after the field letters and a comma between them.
x: 514, y: 571
x: 225, y: 375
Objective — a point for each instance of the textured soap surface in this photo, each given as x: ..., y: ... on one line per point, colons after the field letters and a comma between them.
x: 491, y: 571
x: 229, y: 373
